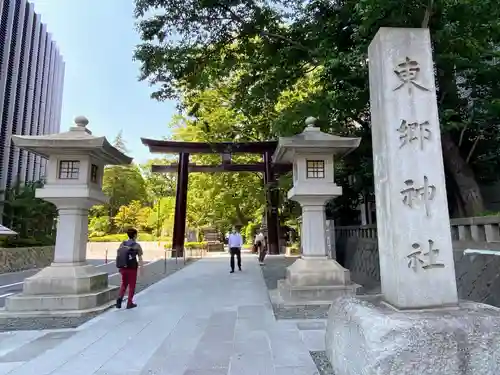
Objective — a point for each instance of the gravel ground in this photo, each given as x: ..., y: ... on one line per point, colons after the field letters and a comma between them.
x: 152, y: 274
x: 322, y: 363
x: 274, y: 270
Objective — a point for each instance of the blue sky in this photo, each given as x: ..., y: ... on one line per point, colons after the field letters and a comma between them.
x: 97, y: 40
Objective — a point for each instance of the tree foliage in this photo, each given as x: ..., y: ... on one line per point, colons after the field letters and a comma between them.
x: 312, y: 55
x: 32, y: 218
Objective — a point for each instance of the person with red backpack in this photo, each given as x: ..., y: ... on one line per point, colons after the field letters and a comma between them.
x: 128, y: 261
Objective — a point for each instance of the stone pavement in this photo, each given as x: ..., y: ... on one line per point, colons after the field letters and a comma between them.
x: 199, y: 321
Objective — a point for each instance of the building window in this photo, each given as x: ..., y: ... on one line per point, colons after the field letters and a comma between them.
x: 93, y: 173
x: 315, y: 169
x: 69, y: 170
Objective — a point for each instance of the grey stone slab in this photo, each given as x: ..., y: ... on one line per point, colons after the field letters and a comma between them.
x: 314, y: 340
x: 94, y: 357
x: 252, y: 357
x: 311, y: 325
x: 463, y: 341
x: 36, y: 347
x: 256, y: 342
x: 113, y: 372
x: 210, y: 356
x: 15, y: 340
x: 6, y: 368
x: 138, y: 351
x: 303, y: 370
x: 289, y: 350
x: 255, y: 323
x: 222, y: 318
x: 56, y: 357
x: 173, y: 355
x: 4, y: 336
x: 219, y: 332
x: 220, y: 371
x: 254, y: 311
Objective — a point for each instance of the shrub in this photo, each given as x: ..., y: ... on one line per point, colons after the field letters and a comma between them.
x: 27, y: 242
x: 143, y: 237
x: 190, y: 245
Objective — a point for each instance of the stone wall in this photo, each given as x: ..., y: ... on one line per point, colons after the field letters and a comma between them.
x: 22, y: 258
x: 478, y: 276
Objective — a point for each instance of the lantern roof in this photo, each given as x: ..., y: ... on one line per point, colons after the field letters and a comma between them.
x: 313, y: 141
x: 4, y: 231
x: 76, y: 141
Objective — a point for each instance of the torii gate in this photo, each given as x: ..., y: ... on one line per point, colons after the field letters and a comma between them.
x: 225, y: 149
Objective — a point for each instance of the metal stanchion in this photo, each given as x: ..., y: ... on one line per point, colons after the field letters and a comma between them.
x: 106, y: 259
x: 165, y: 261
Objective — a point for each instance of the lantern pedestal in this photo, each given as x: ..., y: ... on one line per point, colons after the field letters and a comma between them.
x: 315, y: 281
x: 66, y: 289
x: 69, y: 287
x: 314, y: 278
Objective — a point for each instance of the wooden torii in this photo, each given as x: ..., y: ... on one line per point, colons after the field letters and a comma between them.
x: 225, y: 149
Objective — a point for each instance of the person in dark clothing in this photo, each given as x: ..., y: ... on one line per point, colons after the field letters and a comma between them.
x: 129, y: 273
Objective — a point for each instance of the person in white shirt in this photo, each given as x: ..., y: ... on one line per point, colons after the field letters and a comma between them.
x: 261, y: 247
x: 235, y: 242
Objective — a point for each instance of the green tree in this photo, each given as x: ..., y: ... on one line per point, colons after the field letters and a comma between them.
x: 32, y: 218
x: 133, y: 215
x: 272, y: 49
x: 122, y: 184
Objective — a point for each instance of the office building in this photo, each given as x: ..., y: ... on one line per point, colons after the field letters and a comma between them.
x: 31, y: 87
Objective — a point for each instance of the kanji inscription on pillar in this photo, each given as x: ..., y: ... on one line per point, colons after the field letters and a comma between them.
x: 411, y: 132
x: 413, y: 223
x: 407, y: 72
x: 415, y: 197
x: 424, y: 258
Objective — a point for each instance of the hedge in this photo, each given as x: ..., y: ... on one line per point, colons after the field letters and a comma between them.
x: 143, y: 237
x: 147, y: 238
x: 190, y: 245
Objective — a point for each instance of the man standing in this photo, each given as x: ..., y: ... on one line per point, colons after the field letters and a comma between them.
x: 128, y: 264
x: 235, y: 242
x: 261, y: 246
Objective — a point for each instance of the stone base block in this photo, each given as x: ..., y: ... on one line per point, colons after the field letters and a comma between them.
x: 63, y: 279
x: 67, y: 305
x: 316, y: 272
x: 319, y: 294
x: 315, y: 281
x: 365, y: 336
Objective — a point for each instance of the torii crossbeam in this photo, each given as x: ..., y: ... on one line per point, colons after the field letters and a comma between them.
x: 225, y: 149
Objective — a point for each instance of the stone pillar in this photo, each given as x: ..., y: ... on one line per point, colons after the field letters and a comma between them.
x: 417, y: 325
x: 313, y: 229
x: 414, y: 238
x: 72, y: 234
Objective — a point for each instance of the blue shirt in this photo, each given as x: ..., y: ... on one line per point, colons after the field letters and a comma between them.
x: 235, y: 240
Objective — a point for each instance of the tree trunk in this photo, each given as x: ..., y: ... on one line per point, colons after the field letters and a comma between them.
x: 462, y: 174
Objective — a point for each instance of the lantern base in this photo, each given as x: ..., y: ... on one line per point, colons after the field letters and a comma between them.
x: 68, y: 289
x: 315, y: 281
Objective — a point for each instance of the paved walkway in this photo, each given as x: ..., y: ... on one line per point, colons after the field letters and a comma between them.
x: 198, y: 321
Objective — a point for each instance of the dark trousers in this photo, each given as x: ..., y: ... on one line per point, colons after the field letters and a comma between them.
x: 235, y: 251
x: 262, y: 253
x: 129, y: 279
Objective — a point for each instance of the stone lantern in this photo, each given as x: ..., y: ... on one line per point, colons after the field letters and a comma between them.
x: 314, y: 277
x: 75, y: 166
